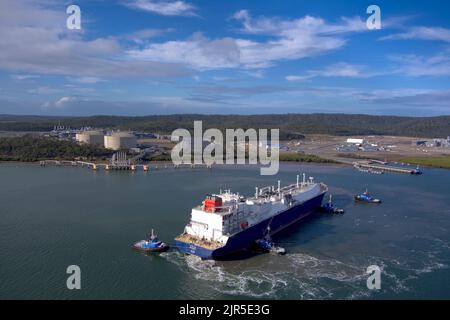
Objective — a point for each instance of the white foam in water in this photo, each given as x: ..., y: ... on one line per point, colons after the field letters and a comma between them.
x: 319, y: 277
x: 298, y: 272
x: 254, y: 283
x: 302, y: 276
x: 325, y: 268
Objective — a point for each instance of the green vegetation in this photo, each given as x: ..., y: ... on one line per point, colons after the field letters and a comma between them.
x: 301, y: 157
x: 355, y: 156
x: 284, y: 156
x: 158, y: 157
x: 31, y: 148
x: 439, y: 161
x: 290, y: 125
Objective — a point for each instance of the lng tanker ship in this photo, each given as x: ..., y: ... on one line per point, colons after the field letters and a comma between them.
x: 227, y: 222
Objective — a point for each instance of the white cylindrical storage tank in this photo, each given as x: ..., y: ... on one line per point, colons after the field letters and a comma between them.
x: 90, y: 137
x: 120, y: 140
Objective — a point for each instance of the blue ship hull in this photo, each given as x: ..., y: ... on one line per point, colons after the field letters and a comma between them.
x: 244, y: 239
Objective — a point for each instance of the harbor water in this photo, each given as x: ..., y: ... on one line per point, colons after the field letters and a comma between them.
x: 54, y: 217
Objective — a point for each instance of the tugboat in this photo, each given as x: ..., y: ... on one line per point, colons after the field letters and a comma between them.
x: 267, y: 245
x: 152, y: 244
x: 366, y: 197
x: 330, y: 208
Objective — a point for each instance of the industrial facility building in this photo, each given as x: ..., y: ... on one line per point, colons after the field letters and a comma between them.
x: 90, y: 137
x: 120, y: 140
x: 357, y: 142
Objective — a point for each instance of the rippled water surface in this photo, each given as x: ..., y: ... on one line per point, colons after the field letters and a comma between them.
x: 54, y: 217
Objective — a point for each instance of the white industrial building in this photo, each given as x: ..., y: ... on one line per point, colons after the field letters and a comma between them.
x: 120, y: 140
x: 355, y: 141
x: 90, y: 137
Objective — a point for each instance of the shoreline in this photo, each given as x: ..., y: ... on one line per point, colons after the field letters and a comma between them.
x: 322, y: 163
x: 330, y: 163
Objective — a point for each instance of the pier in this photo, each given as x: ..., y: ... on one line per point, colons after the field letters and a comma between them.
x: 91, y: 165
x: 119, y: 162
x: 384, y: 168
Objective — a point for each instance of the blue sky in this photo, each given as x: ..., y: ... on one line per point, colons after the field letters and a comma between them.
x: 138, y: 57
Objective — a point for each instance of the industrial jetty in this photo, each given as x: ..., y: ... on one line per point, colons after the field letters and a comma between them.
x: 227, y: 222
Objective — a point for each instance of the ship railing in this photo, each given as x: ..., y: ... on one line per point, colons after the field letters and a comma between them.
x: 220, y: 210
x: 269, y: 192
x: 288, y: 188
x: 192, y: 222
x: 266, y: 190
x: 225, y: 209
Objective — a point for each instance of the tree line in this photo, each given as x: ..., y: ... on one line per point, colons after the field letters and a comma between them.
x: 292, y: 126
x: 32, y: 148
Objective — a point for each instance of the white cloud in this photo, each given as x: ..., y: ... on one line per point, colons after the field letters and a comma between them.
x: 86, y: 80
x: 416, y: 66
x: 357, y: 94
x: 291, y: 40
x: 259, y: 74
x: 21, y: 77
x: 294, y: 39
x: 141, y: 36
x: 297, y: 78
x: 422, y: 33
x: 297, y: 27
x: 229, y: 100
x: 343, y: 70
x: 197, y: 52
x: 71, y: 105
x: 432, y: 99
x: 64, y: 101
x: 408, y: 65
x: 377, y: 95
x: 60, y: 104
x: 43, y: 90
x: 163, y: 7
x: 33, y: 39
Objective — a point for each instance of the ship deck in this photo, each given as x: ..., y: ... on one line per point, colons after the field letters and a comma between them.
x: 211, y: 245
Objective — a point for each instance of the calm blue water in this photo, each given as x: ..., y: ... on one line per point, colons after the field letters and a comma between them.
x: 54, y: 217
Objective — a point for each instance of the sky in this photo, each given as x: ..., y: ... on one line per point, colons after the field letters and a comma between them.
x: 142, y: 57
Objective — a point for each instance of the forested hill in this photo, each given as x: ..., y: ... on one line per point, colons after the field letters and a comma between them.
x: 289, y: 124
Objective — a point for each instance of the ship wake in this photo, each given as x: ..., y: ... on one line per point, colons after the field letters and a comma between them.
x: 300, y: 276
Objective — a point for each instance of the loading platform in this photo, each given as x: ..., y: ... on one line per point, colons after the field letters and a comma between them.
x: 385, y: 168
